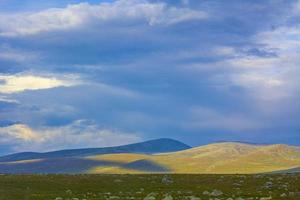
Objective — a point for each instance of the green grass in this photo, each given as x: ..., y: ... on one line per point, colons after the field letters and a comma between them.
x: 98, y: 187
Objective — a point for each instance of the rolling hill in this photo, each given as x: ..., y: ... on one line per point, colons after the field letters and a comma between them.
x: 220, y: 158
x: 148, y: 147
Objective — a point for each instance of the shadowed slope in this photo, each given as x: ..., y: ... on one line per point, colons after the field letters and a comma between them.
x: 148, y: 147
x: 52, y: 166
x: 145, y: 165
x: 292, y: 170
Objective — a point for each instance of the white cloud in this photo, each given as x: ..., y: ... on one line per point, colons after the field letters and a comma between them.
x: 80, y: 14
x: 21, y: 82
x: 257, y: 80
x: 80, y: 134
x: 285, y: 39
x: 8, y: 100
x: 283, y: 69
x: 18, y: 132
x: 272, y: 77
x: 252, y: 62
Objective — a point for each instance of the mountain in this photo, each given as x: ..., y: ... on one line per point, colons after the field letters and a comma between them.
x: 148, y: 147
x: 293, y: 170
x: 220, y: 158
x: 236, y: 158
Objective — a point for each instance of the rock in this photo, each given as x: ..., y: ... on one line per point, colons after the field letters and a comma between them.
x: 265, y: 198
x: 58, y: 198
x: 283, y: 195
x: 167, y: 180
x: 268, y: 185
x: 237, y: 184
x: 69, y: 192
x: 216, y: 193
x: 206, y: 193
x: 151, y: 196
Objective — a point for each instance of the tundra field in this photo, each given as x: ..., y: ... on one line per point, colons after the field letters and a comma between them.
x: 150, y: 187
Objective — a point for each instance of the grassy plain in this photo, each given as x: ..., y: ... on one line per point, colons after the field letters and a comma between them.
x: 151, y: 186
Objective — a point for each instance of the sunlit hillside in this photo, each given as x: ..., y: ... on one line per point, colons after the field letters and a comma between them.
x: 214, y: 158
x: 218, y: 158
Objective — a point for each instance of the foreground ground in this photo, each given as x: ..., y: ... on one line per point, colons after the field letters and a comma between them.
x: 149, y: 187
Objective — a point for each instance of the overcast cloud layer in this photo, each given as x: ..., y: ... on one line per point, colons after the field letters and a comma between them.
x: 99, y: 73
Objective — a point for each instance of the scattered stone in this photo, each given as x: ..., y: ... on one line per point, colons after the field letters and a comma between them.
x: 151, y: 196
x: 194, y: 198
x: 283, y: 195
x: 237, y: 184
x: 167, y: 180
x: 69, y: 192
x: 265, y: 198
x: 268, y: 185
x: 216, y: 193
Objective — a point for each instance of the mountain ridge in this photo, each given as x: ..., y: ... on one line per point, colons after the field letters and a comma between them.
x: 215, y: 158
x: 147, y: 147
x: 221, y: 158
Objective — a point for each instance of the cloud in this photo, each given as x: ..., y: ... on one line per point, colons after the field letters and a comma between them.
x: 8, y: 100
x: 204, y: 118
x: 79, y: 134
x: 8, y: 53
x: 19, y: 133
x: 84, y: 13
x: 18, y: 83
x: 276, y: 75
x: 256, y: 80
x: 151, y: 61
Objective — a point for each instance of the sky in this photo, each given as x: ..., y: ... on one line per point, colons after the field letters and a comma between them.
x: 98, y: 73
